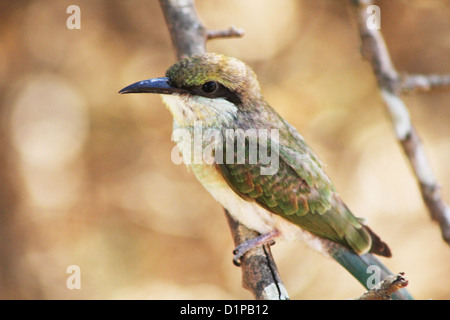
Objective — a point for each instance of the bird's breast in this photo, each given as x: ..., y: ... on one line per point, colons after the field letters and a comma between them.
x: 248, y: 213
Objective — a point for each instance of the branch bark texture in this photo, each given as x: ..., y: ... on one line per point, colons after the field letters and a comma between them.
x: 384, y: 289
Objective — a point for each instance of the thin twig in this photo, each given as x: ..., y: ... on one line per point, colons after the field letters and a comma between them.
x: 419, y: 82
x: 189, y: 36
x: 384, y: 289
x: 373, y: 48
x: 232, y: 32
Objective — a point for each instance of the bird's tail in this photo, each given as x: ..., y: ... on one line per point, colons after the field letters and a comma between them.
x: 366, y: 269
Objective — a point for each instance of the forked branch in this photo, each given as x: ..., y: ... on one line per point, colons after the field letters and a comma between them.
x: 391, y: 84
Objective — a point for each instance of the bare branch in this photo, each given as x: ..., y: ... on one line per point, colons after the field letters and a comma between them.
x: 260, y: 263
x: 231, y: 32
x: 374, y: 49
x: 189, y: 36
x: 384, y: 289
x: 187, y: 32
x: 419, y: 82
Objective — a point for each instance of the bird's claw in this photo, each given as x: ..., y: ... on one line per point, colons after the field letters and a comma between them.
x: 237, y: 261
x: 239, y: 252
x: 246, y: 246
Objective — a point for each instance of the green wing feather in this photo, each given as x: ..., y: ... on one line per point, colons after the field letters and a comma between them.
x: 301, y: 193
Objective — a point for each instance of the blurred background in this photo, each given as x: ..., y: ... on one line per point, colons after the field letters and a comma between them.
x: 86, y: 176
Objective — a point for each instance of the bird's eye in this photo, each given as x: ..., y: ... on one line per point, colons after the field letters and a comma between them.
x: 209, y: 86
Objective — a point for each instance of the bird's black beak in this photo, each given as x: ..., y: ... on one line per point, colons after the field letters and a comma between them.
x: 156, y: 85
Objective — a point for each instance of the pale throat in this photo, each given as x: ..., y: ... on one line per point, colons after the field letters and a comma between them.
x: 211, y: 112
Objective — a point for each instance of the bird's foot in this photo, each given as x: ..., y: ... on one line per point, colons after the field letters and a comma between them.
x: 246, y: 246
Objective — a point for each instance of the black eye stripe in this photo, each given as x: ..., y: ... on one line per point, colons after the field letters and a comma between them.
x: 219, y: 91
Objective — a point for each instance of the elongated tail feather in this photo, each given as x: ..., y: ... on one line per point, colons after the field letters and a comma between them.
x: 363, y: 267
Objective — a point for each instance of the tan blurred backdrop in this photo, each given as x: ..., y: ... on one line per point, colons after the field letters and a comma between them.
x: 86, y: 175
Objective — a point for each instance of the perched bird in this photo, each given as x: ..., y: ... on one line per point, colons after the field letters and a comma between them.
x: 262, y: 171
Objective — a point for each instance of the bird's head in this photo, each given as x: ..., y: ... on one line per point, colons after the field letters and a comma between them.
x: 211, y: 88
